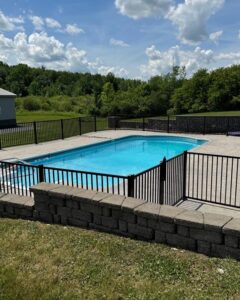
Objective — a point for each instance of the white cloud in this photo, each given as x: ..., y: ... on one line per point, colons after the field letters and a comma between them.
x: 137, y: 9
x: 52, y: 23
x: 39, y: 49
x: 10, y: 24
x: 118, y: 43
x: 120, y: 72
x: 162, y: 62
x: 73, y: 29
x: 214, y: 36
x: 5, y: 43
x: 37, y: 22
x: 191, y: 18
x: 231, y: 57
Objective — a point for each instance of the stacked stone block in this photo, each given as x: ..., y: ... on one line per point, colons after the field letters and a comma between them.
x: 13, y: 206
x: 210, y: 234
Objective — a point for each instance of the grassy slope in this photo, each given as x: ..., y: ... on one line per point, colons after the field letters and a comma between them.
x: 28, y: 116
x: 41, y: 261
x: 217, y: 113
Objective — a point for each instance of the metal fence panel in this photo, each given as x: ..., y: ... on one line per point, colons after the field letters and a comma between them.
x: 213, y: 178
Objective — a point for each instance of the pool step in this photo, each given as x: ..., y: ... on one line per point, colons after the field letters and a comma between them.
x: 14, y: 206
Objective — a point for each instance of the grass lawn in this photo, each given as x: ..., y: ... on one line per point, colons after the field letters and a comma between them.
x: 217, y: 113
x: 28, y: 116
x: 40, y: 261
x: 48, y: 131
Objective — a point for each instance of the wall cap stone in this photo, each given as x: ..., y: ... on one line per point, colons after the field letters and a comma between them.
x: 215, y: 222
x: 168, y: 213
x: 44, y: 187
x: 190, y: 218
x: 2, y: 195
x: 17, y: 200
x: 65, y: 192
x: 113, y: 201
x: 232, y: 227
x: 129, y: 204
x: 148, y: 210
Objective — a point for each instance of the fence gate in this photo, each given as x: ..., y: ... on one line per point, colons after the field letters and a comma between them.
x: 162, y: 184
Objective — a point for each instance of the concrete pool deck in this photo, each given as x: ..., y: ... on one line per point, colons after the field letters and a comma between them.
x: 217, y: 144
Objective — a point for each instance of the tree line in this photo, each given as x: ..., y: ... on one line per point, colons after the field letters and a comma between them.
x: 172, y: 93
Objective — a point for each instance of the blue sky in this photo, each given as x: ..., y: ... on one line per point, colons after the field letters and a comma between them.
x: 132, y: 38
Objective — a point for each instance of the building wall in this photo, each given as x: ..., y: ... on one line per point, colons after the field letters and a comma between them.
x: 7, y: 112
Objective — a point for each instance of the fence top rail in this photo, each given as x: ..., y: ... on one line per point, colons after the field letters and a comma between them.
x: 44, y: 121
x: 177, y: 156
x: 62, y: 170
x: 148, y: 170
x: 156, y: 166
x: 85, y: 172
x: 214, y: 155
x: 20, y: 164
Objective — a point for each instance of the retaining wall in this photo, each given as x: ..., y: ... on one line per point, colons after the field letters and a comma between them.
x: 210, y: 234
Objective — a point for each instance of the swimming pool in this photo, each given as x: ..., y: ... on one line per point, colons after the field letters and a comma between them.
x: 123, y: 156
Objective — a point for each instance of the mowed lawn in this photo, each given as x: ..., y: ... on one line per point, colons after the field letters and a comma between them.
x: 217, y: 113
x: 40, y: 261
x: 28, y: 116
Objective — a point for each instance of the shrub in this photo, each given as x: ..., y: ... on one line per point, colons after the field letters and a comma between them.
x: 31, y: 104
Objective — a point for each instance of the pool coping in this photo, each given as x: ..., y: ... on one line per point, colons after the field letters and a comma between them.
x: 113, y: 140
x: 110, y: 141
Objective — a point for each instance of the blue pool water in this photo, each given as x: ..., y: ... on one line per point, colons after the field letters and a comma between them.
x: 124, y: 156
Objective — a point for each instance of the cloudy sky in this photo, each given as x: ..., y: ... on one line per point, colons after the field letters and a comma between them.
x: 132, y: 38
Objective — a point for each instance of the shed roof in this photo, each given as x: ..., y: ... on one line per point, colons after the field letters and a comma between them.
x: 4, y: 93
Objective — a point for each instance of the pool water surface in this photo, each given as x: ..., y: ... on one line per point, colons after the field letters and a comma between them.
x: 124, y: 156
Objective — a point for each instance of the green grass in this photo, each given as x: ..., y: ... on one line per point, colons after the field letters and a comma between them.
x: 28, y: 116
x: 48, y: 131
x: 216, y: 113
x: 40, y: 261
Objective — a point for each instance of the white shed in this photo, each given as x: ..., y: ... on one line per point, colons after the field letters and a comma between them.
x: 7, y: 109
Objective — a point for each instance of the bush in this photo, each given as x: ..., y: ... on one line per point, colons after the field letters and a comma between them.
x: 31, y: 104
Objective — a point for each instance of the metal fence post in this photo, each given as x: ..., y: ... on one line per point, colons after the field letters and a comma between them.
x: 168, y: 121
x: 95, y: 123
x: 143, y: 124
x: 35, y: 132
x: 131, y: 186
x: 115, y: 123
x: 227, y: 126
x: 80, y: 125
x: 204, y: 125
x: 163, y: 173
x: 184, y: 175
x: 0, y: 142
x: 62, y: 133
x: 41, y: 173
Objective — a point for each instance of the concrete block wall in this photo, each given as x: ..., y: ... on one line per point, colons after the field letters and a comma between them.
x: 210, y: 234
x: 13, y: 206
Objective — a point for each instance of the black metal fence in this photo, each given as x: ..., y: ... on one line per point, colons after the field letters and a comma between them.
x: 162, y: 184
x: 205, y: 177
x: 213, y: 178
x: 184, y: 124
x: 43, y: 131
x: 18, y: 178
